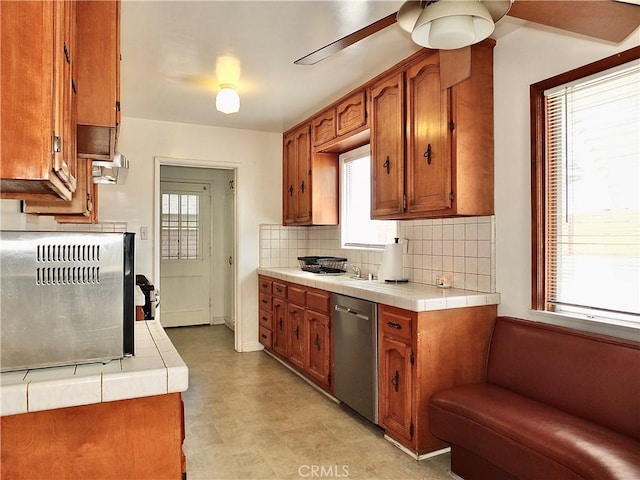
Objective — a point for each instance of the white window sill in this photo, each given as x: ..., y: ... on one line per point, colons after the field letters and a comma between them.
x: 601, y: 325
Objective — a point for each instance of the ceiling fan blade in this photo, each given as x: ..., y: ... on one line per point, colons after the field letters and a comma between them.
x: 604, y: 19
x: 344, y: 42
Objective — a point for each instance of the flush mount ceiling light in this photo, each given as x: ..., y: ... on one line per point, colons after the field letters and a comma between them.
x: 227, y: 100
x: 451, y: 24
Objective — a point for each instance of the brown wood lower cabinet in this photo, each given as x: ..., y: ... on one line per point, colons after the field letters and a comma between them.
x: 137, y: 438
x: 300, y: 332
x: 421, y: 353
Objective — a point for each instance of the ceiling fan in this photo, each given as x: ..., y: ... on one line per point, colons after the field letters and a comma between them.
x: 609, y: 20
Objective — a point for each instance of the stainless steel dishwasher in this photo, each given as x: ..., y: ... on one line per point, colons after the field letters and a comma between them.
x: 355, y: 354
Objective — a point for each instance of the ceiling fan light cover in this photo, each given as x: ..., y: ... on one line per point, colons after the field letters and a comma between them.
x: 442, y: 25
x: 228, y: 100
x: 408, y: 15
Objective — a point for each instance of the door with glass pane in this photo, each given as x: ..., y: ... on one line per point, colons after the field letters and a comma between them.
x: 185, y: 254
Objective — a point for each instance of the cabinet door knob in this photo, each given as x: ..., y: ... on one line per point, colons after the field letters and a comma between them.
x: 427, y: 154
x: 387, y: 165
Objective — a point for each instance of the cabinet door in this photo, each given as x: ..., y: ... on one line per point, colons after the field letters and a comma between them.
x: 303, y: 175
x: 323, y: 127
x: 351, y: 114
x: 296, y: 335
x: 318, y: 347
x: 429, y: 163
x: 280, y: 326
x: 387, y: 147
x: 98, y: 77
x: 36, y: 100
x: 289, y: 186
x: 395, y: 387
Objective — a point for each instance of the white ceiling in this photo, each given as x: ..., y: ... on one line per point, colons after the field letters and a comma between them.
x: 170, y: 48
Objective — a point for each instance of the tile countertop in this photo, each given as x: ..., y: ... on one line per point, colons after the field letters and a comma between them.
x: 155, y: 369
x: 416, y: 297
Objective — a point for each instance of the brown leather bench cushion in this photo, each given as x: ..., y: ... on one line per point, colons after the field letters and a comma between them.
x: 529, y: 439
x: 593, y: 377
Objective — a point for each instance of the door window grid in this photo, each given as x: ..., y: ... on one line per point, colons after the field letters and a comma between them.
x: 180, y: 229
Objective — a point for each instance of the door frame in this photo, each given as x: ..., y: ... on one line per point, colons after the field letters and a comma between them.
x: 184, y: 162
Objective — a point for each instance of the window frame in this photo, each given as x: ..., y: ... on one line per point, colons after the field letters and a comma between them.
x: 351, y: 155
x: 538, y: 165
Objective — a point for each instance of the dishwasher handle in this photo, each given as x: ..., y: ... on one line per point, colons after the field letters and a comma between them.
x: 350, y: 311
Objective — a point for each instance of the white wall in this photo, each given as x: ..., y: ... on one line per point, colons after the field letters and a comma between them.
x: 521, y: 58
x: 257, y: 157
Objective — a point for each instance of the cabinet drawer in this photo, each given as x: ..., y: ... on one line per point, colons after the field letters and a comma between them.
x: 264, y: 285
x: 318, y: 300
x: 265, y: 319
x: 265, y: 302
x: 265, y: 337
x: 279, y: 289
x: 395, y: 323
x: 297, y: 295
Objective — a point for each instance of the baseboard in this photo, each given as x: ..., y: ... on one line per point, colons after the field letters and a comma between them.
x: 413, y: 454
x: 252, y: 347
x: 230, y: 323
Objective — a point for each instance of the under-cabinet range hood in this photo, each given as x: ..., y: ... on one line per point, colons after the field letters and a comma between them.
x: 111, y: 172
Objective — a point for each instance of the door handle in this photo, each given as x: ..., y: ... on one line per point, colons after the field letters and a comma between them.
x: 280, y: 324
x: 387, y: 164
x: 316, y: 342
x: 427, y: 154
x: 302, y: 187
x: 296, y: 332
x: 291, y: 190
x: 395, y: 381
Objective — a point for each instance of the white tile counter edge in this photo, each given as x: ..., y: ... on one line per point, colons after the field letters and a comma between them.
x: 155, y: 369
x: 417, y: 297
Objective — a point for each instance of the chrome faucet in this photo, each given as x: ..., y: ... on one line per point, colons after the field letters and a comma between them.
x: 356, y: 270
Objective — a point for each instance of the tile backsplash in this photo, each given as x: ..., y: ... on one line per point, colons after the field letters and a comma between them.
x: 460, y: 249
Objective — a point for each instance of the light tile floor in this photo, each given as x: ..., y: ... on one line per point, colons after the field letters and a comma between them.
x: 249, y: 417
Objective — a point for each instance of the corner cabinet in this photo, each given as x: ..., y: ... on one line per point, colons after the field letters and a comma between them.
x: 38, y: 105
x: 432, y: 148
x: 310, y: 181
x: 420, y: 353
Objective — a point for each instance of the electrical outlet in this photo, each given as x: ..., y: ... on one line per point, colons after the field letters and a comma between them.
x: 144, y: 233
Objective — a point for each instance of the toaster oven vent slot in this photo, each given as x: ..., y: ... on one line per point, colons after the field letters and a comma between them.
x: 68, y: 253
x: 89, y: 275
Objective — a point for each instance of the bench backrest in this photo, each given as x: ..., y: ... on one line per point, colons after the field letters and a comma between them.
x: 591, y: 376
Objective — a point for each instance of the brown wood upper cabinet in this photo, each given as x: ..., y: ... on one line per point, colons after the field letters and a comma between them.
x: 310, y: 182
x: 432, y: 148
x: 83, y: 206
x: 339, y: 121
x: 38, y: 140
x: 98, y: 78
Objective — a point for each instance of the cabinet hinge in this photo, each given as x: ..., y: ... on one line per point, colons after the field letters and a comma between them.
x: 412, y: 359
x: 56, y: 144
x: 411, y: 430
x: 451, y: 196
x: 118, y: 106
x: 452, y: 126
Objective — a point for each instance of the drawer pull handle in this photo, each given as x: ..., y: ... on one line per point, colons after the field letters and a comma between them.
x: 265, y: 285
x: 397, y: 326
x: 264, y: 301
x: 264, y: 319
x: 395, y: 381
x: 263, y: 336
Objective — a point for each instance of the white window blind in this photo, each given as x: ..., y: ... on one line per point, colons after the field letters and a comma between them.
x: 358, y: 230
x: 593, y: 195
